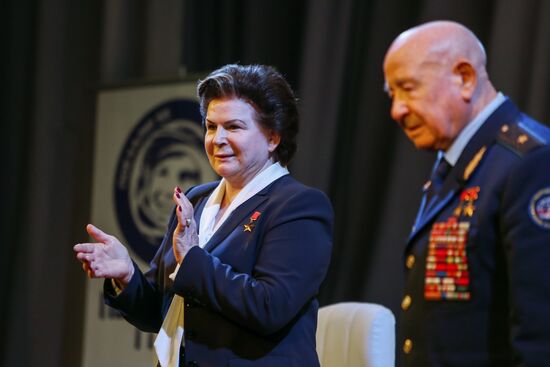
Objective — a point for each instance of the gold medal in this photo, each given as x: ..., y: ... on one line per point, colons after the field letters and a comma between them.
x: 251, y: 223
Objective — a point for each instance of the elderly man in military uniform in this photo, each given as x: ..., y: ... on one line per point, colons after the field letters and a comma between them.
x: 477, y: 285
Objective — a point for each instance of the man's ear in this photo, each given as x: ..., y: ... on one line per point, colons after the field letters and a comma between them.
x: 466, y: 76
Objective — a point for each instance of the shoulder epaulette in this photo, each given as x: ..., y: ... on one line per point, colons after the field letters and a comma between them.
x: 519, y: 138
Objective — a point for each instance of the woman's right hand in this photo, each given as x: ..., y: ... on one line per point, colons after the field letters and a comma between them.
x: 185, y: 235
x: 107, y: 258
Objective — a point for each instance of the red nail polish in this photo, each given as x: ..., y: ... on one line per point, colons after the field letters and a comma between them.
x: 179, y: 208
x: 178, y: 189
x: 178, y: 195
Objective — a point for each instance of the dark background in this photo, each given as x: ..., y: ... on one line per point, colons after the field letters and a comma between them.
x: 57, y: 54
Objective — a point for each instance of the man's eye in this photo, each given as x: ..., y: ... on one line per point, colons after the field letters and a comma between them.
x: 408, y: 87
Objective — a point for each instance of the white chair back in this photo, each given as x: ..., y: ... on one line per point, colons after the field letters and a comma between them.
x: 356, y: 335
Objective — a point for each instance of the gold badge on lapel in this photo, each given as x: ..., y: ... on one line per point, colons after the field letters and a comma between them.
x: 466, y: 206
x: 251, y: 223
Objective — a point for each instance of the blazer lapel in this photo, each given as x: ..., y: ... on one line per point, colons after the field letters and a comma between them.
x: 239, y: 214
x: 199, y: 207
x: 198, y: 196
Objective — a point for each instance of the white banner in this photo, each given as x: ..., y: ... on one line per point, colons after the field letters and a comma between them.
x: 148, y: 139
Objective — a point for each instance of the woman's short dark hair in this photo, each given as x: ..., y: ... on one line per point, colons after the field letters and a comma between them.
x: 266, y: 90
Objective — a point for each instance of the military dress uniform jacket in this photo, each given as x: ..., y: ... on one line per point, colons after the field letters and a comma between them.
x: 477, y: 285
x: 250, y: 293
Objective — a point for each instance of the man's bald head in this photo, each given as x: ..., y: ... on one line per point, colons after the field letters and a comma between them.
x: 436, y: 76
x: 441, y: 42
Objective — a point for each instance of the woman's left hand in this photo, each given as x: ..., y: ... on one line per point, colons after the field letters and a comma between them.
x: 185, y: 235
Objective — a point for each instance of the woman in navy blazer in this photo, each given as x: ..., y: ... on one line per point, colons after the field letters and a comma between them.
x: 245, y: 256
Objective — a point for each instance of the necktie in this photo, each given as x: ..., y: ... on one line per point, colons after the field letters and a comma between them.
x: 440, y: 171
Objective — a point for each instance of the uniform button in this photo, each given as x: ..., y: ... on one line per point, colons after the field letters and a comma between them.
x: 406, y: 303
x: 410, y: 261
x: 407, y: 346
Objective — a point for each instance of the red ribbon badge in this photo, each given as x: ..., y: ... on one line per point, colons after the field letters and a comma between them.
x: 250, y: 226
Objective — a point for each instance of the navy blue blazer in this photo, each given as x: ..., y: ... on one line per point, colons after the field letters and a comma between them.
x: 250, y: 293
x: 477, y: 286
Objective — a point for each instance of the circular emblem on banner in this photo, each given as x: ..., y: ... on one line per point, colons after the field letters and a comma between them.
x: 539, y: 208
x: 165, y: 149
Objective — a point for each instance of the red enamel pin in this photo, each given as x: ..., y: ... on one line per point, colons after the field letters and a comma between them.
x: 466, y: 206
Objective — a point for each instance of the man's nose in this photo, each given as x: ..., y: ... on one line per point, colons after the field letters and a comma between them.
x: 399, y: 109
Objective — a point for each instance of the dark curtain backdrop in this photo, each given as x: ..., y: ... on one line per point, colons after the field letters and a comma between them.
x: 57, y: 54
x: 244, y: 31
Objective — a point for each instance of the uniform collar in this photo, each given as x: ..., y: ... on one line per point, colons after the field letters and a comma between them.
x: 453, y: 153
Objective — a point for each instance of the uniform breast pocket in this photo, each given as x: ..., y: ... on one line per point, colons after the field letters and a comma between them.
x: 447, y: 274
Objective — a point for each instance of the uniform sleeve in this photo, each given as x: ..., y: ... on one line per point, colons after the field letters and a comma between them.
x: 525, y: 224
x: 292, y: 262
